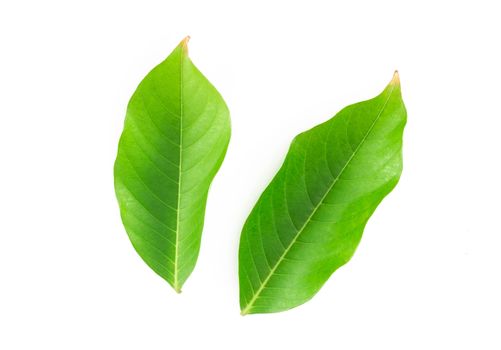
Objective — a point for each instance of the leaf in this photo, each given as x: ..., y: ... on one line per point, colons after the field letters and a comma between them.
x: 175, y: 137
x: 309, y: 220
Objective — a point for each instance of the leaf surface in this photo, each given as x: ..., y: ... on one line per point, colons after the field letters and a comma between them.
x: 175, y: 136
x: 309, y: 220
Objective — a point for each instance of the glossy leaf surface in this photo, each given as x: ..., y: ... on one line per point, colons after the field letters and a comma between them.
x: 309, y: 220
x: 175, y: 136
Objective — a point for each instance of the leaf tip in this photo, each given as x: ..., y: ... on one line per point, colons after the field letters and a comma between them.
x: 184, y: 44
x: 396, y: 79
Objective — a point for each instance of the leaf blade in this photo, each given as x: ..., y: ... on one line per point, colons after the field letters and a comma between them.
x: 309, y: 220
x: 175, y: 136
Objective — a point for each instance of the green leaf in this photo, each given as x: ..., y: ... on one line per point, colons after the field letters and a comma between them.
x: 175, y: 137
x: 309, y: 220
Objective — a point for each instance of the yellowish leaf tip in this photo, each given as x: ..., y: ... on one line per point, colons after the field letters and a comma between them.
x: 396, y: 79
x: 184, y: 44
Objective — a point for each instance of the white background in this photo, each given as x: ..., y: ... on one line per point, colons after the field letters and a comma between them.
x: 427, y: 274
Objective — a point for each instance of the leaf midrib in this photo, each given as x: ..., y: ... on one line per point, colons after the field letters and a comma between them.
x: 250, y: 305
x: 176, y: 286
